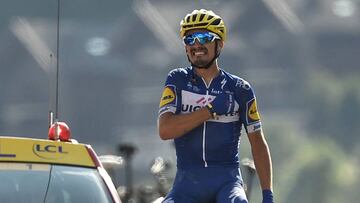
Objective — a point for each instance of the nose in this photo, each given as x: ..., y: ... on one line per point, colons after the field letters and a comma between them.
x: 197, y: 43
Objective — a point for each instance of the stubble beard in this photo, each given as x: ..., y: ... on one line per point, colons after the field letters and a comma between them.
x: 198, y: 62
x: 201, y: 64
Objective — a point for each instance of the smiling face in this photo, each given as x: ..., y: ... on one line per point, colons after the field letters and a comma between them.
x: 199, y: 54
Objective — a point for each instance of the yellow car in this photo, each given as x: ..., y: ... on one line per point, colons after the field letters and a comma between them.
x: 52, y: 171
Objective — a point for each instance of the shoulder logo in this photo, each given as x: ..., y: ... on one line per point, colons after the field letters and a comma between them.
x: 243, y: 84
x: 168, y: 96
x: 252, y: 111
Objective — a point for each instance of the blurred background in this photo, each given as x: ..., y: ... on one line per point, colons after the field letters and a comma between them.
x: 301, y: 56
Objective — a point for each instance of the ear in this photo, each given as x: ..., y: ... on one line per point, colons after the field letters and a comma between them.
x: 220, y: 44
x: 186, y: 50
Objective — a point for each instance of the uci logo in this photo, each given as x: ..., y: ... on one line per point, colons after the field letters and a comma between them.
x: 189, y: 108
x: 49, y: 151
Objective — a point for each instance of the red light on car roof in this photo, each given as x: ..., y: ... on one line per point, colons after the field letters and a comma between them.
x: 59, y: 131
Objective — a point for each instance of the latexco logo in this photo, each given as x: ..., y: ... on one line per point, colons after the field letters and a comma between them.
x: 48, y: 151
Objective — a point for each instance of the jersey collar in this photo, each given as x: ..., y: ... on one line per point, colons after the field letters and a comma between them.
x: 196, y: 77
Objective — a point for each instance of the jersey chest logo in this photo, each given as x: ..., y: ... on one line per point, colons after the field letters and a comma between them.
x: 191, y: 102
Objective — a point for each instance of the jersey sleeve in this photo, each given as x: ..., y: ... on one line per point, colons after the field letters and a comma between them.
x: 249, y: 114
x: 170, y: 96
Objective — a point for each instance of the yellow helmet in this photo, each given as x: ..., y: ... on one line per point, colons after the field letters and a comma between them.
x: 203, y: 19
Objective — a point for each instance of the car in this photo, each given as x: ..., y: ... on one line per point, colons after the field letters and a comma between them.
x: 55, y: 170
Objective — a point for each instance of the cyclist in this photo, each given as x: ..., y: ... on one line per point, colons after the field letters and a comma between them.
x: 203, y: 108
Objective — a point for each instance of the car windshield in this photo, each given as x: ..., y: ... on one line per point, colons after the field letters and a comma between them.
x: 20, y: 183
x: 34, y: 183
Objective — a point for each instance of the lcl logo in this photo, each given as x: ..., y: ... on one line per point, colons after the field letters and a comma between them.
x: 49, y: 151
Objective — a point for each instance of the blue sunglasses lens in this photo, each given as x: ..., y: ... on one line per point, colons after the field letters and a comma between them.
x: 202, y: 37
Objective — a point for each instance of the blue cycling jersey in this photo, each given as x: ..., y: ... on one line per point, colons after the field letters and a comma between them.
x: 215, y: 142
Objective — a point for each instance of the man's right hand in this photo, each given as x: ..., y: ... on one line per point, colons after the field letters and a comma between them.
x: 224, y: 103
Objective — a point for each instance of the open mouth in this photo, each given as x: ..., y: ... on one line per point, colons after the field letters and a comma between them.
x: 199, y: 52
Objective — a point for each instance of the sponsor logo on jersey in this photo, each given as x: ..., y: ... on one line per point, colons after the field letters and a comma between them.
x: 192, y: 87
x: 254, y: 127
x: 243, y: 84
x: 189, y: 85
x: 189, y: 108
x: 167, y: 97
x: 204, y: 101
x: 253, y: 113
x: 215, y: 91
x: 192, y: 102
x: 257, y: 126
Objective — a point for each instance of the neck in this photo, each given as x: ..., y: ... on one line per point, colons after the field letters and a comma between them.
x: 209, y: 73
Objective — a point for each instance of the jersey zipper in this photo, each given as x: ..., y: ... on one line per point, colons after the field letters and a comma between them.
x: 204, y: 126
x: 203, y: 145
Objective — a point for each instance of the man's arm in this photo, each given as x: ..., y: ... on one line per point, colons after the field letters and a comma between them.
x: 171, y: 126
x: 262, y: 159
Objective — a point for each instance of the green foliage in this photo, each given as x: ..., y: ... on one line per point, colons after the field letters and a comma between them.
x: 334, y: 106
x: 309, y: 168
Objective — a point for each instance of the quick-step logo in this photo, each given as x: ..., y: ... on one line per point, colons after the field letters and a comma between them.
x: 191, y: 102
x: 49, y: 151
x: 200, y: 102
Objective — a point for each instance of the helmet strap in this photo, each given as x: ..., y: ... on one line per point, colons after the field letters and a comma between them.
x: 217, y: 54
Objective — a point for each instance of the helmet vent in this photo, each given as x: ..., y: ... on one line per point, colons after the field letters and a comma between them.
x: 216, y: 22
x: 210, y: 17
x: 202, y: 17
x: 195, y: 25
x: 188, y: 19
x: 194, y: 17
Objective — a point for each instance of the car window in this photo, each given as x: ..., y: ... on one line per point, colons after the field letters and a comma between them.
x: 23, y: 182
x: 70, y: 184
x: 32, y: 183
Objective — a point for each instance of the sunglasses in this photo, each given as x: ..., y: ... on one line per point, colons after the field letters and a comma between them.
x: 202, y: 37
